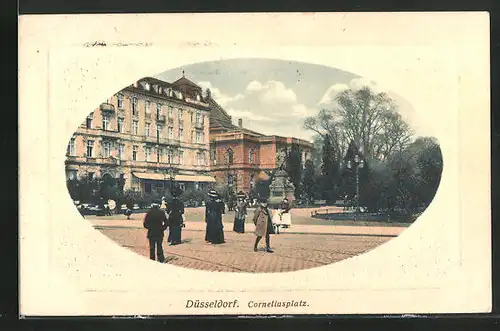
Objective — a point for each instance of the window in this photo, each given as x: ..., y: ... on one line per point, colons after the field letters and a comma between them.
x: 88, y: 122
x: 105, y: 122
x: 147, y: 187
x: 230, y: 156
x: 159, y: 128
x: 170, y: 158
x: 198, y: 118
x: 181, y: 133
x: 252, y: 182
x: 134, y: 153
x: 159, y: 152
x: 199, y: 158
x: 214, y: 156
x: 120, y: 125
x: 146, y: 129
x: 230, y: 179
x: 120, y: 101
x: 159, y: 188
x: 179, y: 115
x: 106, y: 146
x: 170, y: 132
x: 121, y: 151
x: 192, y: 117
x: 147, y: 154
x: 135, y: 127
x: 158, y: 109
x: 198, y: 98
x: 147, y: 105
x: 71, y: 147
x: 170, y: 112
x: 251, y: 156
x: 198, y: 137
x: 181, y: 157
x: 90, y: 148
x: 134, y: 106
x: 203, y: 137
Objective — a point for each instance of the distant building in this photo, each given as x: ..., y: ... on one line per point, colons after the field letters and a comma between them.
x: 237, y: 154
x: 143, y: 132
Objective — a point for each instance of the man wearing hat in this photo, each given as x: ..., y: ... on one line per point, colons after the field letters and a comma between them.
x: 214, y: 210
x: 156, y: 223
x: 262, y: 216
x: 240, y: 213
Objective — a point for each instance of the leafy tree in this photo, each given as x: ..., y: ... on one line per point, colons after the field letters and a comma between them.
x: 294, y: 167
x: 330, y: 170
x: 309, y: 188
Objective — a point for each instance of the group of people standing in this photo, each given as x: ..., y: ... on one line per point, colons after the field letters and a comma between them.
x: 171, y: 216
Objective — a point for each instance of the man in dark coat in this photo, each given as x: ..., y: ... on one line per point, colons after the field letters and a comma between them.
x: 214, y: 210
x: 156, y: 223
x: 175, y: 210
x: 262, y: 216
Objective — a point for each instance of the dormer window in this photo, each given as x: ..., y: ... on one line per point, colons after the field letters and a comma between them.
x: 198, y: 98
x: 146, y: 86
x: 179, y: 95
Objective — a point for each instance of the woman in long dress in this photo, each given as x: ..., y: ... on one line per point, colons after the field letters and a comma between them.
x: 213, y: 217
x: 175, y: 212
x: 240, y: 213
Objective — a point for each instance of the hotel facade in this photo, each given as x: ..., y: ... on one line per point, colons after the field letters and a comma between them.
x: 147, y: 134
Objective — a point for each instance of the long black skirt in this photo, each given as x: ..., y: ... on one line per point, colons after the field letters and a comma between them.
x: 239, y: 225
x: 175, y: 234
x: 215, y: 233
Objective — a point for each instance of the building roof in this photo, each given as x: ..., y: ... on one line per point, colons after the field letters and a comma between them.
x: 184, y: 81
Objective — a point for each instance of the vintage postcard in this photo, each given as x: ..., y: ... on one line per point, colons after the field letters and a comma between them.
x: 254, y: 164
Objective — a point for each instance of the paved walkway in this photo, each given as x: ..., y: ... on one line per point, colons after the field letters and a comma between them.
x: 300, y: 247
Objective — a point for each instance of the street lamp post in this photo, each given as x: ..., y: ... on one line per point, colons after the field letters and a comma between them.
x: 359, y: 164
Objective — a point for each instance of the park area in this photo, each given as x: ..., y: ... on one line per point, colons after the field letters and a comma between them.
x: 308, y: 243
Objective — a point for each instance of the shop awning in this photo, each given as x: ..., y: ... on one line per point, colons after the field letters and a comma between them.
x: 178, y: 178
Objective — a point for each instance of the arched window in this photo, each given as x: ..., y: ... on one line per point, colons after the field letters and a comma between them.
x: 214, y: 156
x: 230, y: 156
x: 251, y: 156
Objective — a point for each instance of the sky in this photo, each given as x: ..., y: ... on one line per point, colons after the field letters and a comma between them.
x: 274, y: 97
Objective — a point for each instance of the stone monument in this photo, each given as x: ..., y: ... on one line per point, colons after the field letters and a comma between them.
x: 281, y: 187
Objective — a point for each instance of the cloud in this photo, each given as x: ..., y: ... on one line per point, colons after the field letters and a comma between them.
x: 276, y: 92
x: 331, y: 92
x: 355, y: 84
x: 235, y: 113
x: 269, y: 107
x: 253, y: 86
x: 221, y: 98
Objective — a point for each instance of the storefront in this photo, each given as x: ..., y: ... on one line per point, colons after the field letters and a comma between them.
x: 160, y: 183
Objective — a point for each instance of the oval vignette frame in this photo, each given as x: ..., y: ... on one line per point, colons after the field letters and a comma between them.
x: 269, y: 129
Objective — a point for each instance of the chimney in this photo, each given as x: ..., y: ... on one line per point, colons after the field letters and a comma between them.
x: 240, y: 122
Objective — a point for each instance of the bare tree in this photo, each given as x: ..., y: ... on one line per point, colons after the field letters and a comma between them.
x: 369, y: 119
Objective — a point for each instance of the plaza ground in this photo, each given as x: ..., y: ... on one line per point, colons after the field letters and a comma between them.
x: 308, y: 243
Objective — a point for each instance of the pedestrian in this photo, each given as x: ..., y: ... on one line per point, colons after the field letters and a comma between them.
x: 156, y: 223
x: 284, y: 217
x: 214, y: 210
x: 240, y: 213
x: 175, y: 212
x: 263, y: 225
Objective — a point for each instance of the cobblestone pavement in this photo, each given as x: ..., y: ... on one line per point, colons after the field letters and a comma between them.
x: 302, y: 246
